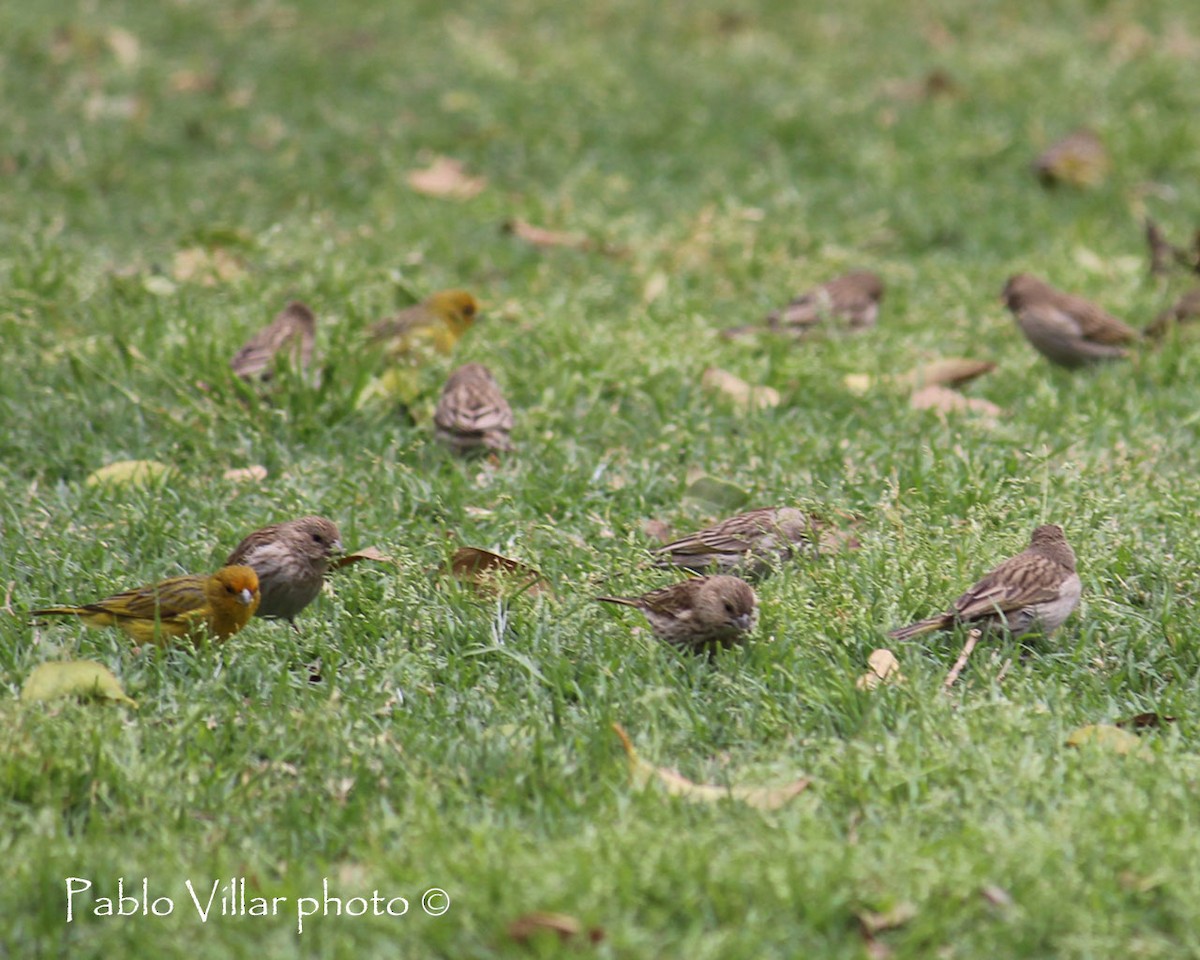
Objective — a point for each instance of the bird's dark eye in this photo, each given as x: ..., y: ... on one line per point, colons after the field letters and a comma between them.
x: 729, y: 608
x: 229, y: 589
x: 317, y: 538
x: 469, y: 310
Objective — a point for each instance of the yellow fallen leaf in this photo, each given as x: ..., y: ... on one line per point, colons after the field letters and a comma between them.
x: 363, y: 553
x: 492, y: 574
x: 744, y: 395
x: 655, y: 287
x: 205, y: 266
x: 883, y: 667
x: 1106, y: 736
x: 858, y: 383
x: 73, y: 678
x: 446, y: 177
x: 677, y: 785
x: 136, y: 473
x: 875, y: 922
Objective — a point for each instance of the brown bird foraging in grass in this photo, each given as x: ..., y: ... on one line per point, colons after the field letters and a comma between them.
x: 1067, y: 330
x: 291, y: 560
x: 698, y: 614
x: 295, y: 324
x: 472, y: 412
x: 851, y: 299
x: 190, y: 606
x: 749, y: 543
x: 1035, y: 590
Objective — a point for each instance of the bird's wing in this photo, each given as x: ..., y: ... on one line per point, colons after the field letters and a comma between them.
x: 731, y: 536
x: 403, y: 323
x: 1024, y: 580
x: 171, y: 599
x: 295, y: 321
x: 1098, y: 325
x: 474, y: 408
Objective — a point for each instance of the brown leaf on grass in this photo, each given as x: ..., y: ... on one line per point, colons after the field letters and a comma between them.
x: 943, y: 400
x: 947, y: 372
x: 252, y: 474
x: 677, y: 785
x: 294, y: 325
x: 541, y: 237
x: 373, y: 554
x: 744, y: 395
x: 1144, y: 721
x: 192, y: 81
x: 564, y: 926
x: 659, y: 530
x: 882, y: 667
x: 1106, y: 736
x: 73, y: 678
x: 446, y: 177
x: 1078, y: 159
x: 491, y: 575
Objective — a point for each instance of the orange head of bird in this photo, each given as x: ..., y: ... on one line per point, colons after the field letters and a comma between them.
x: 457, y: 309
x: 238, y: 584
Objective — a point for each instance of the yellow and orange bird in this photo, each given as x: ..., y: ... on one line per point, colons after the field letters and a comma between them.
x: 439, y: 321
x: 219, y: 604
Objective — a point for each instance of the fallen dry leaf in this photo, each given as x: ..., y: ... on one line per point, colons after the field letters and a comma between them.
x: 882, y: 667
x: 206, y: 267
x: 947, y: 372
x: 493, y: 575
x: 996, y: 896
x: 446, y: 177
x: 566, y: 927
x: 541, y: 237
x: 254, y: 474
x: 659, y: 530
x: 358, y: 556
x: 858, y: 383
x: 677, y: 785
x: 125, y: 47
x: 78, y: 678
x: 1078, y: 159
x: 134, y: 473
x: 1144, y: 721
x: 872, y: 922
x: 1106, y: 736
x: 743, y: 394
x: 943, y: 400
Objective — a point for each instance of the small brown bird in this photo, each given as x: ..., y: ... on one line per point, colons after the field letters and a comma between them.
x: 1065, y: 329
x: 220, y: 604
x: 698, y: 614
x: 749, y: 543
x: 1035, y: 590
x: 291, y: 560
x: 1185, y: 308
x: 852, y: 298
x: 295, y: 324
x: 440, y: 320
x: 472, y: 412
x: 1078, y: 159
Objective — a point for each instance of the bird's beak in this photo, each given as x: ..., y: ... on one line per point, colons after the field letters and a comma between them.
x: 743, y: 621
x: 336, y: 548
x: 245, y: 598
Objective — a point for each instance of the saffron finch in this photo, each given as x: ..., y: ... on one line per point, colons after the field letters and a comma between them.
x: 221, y: 604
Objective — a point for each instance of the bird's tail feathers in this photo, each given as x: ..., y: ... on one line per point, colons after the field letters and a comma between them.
x: 920, y: 628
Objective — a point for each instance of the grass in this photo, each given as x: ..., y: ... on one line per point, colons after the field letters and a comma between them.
x: 735, y: 153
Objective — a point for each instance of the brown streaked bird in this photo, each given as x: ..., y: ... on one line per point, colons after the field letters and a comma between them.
x: 440, y: 320
x: 472, y: 412
x: 1035, y: 590
x: 853, y: 299
x: 1079, y: 159
x: 190, y: 606
x: 1067, y: 330
x: 1184, y: 309
x: 749, y: 543
x: 699, y: 614
x: 295, y: 324
x: 291, y: 560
